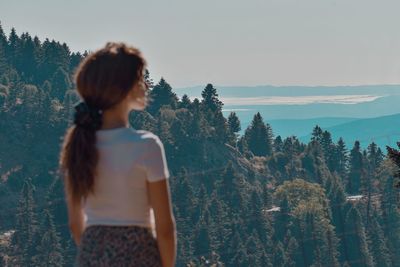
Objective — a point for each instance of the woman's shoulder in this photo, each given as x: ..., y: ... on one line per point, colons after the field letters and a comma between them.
x: 126, y: 135
x: 144, y: 135
x: 152, y: 142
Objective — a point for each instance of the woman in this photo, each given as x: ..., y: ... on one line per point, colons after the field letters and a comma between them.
x: 115, y: 175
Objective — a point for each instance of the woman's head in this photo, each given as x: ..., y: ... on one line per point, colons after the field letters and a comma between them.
x: 107, y: 76
x: 104, y: 79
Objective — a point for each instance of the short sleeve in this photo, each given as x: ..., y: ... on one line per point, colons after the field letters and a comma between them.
x: 155, y: 161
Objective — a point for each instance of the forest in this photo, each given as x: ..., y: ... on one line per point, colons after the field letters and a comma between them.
x: 239, y: 200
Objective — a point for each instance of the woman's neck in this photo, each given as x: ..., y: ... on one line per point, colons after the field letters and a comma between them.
x: 115, y: 118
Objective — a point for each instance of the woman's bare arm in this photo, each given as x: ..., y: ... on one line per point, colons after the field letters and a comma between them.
x: 160, y: 200
x: 75, y: 219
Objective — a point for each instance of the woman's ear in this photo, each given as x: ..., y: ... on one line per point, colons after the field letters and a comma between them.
x: 137, y: 98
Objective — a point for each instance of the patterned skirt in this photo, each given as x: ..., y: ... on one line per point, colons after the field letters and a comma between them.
x: 122, y: 246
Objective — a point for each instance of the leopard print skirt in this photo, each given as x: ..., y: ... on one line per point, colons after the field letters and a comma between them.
x: 122, y: 246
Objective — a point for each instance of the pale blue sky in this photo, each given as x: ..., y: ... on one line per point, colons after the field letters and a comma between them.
x: 231, y: 42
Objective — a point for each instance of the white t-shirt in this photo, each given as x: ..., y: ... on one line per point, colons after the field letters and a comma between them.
x: 127, y: 158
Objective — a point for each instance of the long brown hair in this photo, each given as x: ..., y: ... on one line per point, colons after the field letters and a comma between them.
x: 103, y: 79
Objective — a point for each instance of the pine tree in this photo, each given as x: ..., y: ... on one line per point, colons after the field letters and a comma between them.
x: 184, y: 195
x: 210, y: 99
x: 219, y: 211
x: 3, y: 37
x: 14, y: 53
x: 28, y: 58
x: 329, y: 150
x: 149, y: 81
x: 356, y: 170
x: 280, y: 258
x: 337, y: 200
x: 230, y: 182
x: 239, y: 254
x: 50, y: 252
x: 60, y: 83
x: 341, y: 158
x: 185, y: 102
x: 205, y: 238
x: 391, y: 219
x: 24, y: 239
x: 162, y: 95
x: 292, y: 252
x: 256, y: 255
x: 234, y: 123
x: 234, y: 127
x: 3, y: 51
x: 316, y: 134
x: 357, y: 244
x: 278, y: 144
x: 259, y: 137
x: 375, y: 156
x: 378, y: 246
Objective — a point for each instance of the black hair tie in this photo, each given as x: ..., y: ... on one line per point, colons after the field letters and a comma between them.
x: 87, y: 117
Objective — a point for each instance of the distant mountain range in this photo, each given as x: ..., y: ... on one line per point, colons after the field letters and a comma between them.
x: 365, y: 113
x: 383, y: 131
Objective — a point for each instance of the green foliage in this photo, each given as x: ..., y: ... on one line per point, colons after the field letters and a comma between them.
x: 234, y: 128
x: 60, y: 84
x: 210, y: 99
x: 50, y: 252
x: 162, y: 95
x: 24, y: 239
x: 356, y: 170
x: 259, y: 137
x: 357, y: 244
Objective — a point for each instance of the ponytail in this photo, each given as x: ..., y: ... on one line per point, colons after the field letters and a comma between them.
x: 79, y: 157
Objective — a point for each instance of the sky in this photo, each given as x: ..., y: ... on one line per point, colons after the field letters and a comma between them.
x: 230, y: 42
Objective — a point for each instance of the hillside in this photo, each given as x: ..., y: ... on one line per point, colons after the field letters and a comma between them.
x: 383, y: 131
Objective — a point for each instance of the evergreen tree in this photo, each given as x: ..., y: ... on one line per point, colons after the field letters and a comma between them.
x: 50, y: 252
x: 234, y: 123
x: 14, y: 52
x: 239, y: 256
x: 210, y: 99
x: 278, y: 144
x: 184, y: 195
x: 161, y: 95
x: 374, y: 157
x: 24, y: 239
x: 3, y: 51
x: 3, y: 38
x: 341, y: 158
x: 356, y: 170
x: 391, y: 219
x: 28, y: 58
x: 317, y: 134
x: 337, y: 201
x: 329, y: 150
x: 357, y: 244
x: 230, y: 182
x: 292, y: 253
x: 234, y: 127
x: 279, y: 255
x: 378, y: 246
x: 60, y: 83
x: 259, y: 137
x: 185, y: 102
x: 148, y: 80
